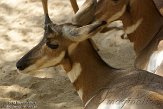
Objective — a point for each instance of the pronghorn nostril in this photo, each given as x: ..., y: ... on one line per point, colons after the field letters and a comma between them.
x: 20, y: 67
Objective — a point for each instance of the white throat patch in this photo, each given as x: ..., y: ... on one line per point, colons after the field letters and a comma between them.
x: 75, y: 72
x: 74, y: 75
x: 155, y: 61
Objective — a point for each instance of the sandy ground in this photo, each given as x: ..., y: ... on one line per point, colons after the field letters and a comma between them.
x: 21, y: 27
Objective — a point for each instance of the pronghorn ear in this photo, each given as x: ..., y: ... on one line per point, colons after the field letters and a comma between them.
x: 159, y: 5
x: 86, y: 14
x: 76, y: 33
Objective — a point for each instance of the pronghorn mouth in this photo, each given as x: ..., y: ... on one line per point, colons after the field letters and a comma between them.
x: 44, y: 63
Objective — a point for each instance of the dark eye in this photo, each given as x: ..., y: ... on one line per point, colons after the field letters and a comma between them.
x: 115, y: 1
x: 52, y: 46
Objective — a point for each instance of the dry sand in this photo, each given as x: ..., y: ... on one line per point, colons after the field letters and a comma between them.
x: 21, y: 27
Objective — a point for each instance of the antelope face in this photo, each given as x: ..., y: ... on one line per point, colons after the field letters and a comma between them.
x: 54, y: 45
x: 112, y: 9
x: 50, y: 51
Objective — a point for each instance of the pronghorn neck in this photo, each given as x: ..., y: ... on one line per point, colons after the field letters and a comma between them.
x: 88, y: 72
x: 142, y: 23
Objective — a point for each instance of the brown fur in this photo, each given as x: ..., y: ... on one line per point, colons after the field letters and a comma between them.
x: 98, y: 81
x: 97, y: 77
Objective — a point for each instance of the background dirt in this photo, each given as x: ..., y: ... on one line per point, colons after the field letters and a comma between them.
x: 21, y: 27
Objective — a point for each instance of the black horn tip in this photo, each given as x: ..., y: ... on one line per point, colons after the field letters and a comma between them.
x: 47, y: 19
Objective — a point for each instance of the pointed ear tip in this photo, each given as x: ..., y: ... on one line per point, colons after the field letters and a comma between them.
x: 159, y: 5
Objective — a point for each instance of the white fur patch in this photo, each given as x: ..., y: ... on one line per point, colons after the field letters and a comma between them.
x: 106, y: 105
x: 80, y: 93
x: 155, y: 61
x: 118, y: 14
x: 133, y: 27
x: 75, y: 72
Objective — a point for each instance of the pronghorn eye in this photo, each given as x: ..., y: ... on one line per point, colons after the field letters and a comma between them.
x: 115, y: 1
x: 52, y: 46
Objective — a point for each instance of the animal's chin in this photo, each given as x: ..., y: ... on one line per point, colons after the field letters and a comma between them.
x: 26, y: 71
x: 29, y: 70
x: 32, y: 69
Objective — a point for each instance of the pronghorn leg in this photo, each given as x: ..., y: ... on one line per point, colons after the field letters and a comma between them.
x: 46, y: 14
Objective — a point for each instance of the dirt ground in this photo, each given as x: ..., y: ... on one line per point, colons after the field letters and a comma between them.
x: 21, y: 27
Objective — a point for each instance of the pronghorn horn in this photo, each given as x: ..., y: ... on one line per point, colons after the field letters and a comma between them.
x: 46, y: 14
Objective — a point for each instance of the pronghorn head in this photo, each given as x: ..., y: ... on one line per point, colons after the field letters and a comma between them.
x: 117, y: 9
x: 112, y: 10
x: 109, y: 10
x: 53, y: 47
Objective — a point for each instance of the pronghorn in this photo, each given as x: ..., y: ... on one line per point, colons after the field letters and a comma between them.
x: 98, y: 85
x: 143, y: 23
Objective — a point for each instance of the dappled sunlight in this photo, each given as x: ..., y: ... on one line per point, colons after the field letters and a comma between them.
x: 50, y: 72
x: 62, y: 105
x: 13, y: 91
